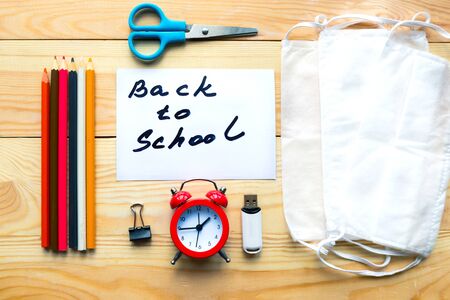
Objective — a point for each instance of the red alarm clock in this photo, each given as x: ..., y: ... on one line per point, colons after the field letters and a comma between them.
x: 199, y: 227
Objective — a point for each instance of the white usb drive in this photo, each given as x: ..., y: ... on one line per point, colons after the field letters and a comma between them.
x: 251, y: 225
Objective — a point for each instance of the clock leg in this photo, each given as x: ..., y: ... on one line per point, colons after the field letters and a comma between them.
x: 176, y: 257
x: 224, y: 256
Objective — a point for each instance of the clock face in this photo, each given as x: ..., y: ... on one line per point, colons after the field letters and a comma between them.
x: 199, y: 228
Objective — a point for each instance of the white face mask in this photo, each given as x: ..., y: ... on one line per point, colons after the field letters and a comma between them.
x: 300, y: 139
x: 346, y: 60
x: 347, y: 82
x: 395, y: 172
x: 300, y: 109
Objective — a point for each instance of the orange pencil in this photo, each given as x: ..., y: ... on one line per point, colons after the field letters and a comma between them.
x: 45, y: 163
x: 90, y: 155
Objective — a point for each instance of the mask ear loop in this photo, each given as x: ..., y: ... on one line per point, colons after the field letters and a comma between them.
x: 360, y: 18
x: 424, y: 14
x: 414, y: 24
x: 319, y: 22
x: 386, y: 251
x: 362, y: 260
x: 422, y: 24
x: 331, y: 242
x: 381, y: 22
x: 371, y: 273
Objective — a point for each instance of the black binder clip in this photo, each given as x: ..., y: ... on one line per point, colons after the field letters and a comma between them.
x: 139, y: 233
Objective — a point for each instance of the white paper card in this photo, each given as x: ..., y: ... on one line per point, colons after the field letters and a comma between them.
x: 177, y: 124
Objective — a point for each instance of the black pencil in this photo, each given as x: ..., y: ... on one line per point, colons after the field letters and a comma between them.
x: 73, y: 174
x: 54, y: 84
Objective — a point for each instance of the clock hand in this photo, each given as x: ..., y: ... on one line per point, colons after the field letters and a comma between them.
x: 204, y: 222
x: 198, y: 227
x: 187, y: 228
x: 196, y: 241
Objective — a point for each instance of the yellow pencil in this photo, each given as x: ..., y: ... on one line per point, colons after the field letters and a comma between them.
x: 90, y: 155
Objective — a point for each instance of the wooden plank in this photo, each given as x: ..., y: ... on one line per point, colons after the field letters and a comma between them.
x: 20, y: 87
x: 20, y: 194
x: 282, y: 271
x: 116, y: 269
x: 21, y: 64
x: 101, y: 19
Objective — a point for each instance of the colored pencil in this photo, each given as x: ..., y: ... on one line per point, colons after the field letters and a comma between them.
x: 54, y: 76
x: 81, y: 159
x: 90, y: 155
x: 45, y: 139
x: 62, y: 158
x: 73, y: 210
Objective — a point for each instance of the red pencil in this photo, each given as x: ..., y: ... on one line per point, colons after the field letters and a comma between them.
x: 62, y: 157
x: 45, y: 139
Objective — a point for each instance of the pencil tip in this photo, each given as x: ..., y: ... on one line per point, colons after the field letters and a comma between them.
x: 72, y: 60
x: 55, y: 64
x: 63, y: 65
x: 45, y: 76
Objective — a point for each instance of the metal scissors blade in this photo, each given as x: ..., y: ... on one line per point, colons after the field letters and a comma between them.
x: 198, y: 31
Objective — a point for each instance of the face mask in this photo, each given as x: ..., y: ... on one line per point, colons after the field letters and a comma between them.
x: 300, y: 109
x: 346, y: 60
x: 300, y: 139
x: 302, y: 184
x: 394, y: 176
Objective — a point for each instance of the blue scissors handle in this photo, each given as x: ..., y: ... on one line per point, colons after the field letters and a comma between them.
x: 167, y: 31
x: 166, y: 24
x: 165, y: 38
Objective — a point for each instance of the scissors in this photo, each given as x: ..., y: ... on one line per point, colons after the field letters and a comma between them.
x: 170, y: 31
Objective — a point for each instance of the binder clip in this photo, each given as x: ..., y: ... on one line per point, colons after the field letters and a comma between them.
x: 139, y: 233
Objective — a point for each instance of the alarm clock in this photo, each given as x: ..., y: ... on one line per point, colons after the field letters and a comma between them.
x: 199, y: 227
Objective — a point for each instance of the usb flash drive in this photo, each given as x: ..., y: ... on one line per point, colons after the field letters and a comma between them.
x: 251, y: 225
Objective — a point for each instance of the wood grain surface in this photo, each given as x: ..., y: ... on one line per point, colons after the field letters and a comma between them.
x: 284, y: 269
x: 31, y: 32
x: 21, y: 64
x: 108, y: 19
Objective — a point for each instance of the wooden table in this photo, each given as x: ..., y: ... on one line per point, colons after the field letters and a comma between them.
x: 31, y: 32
